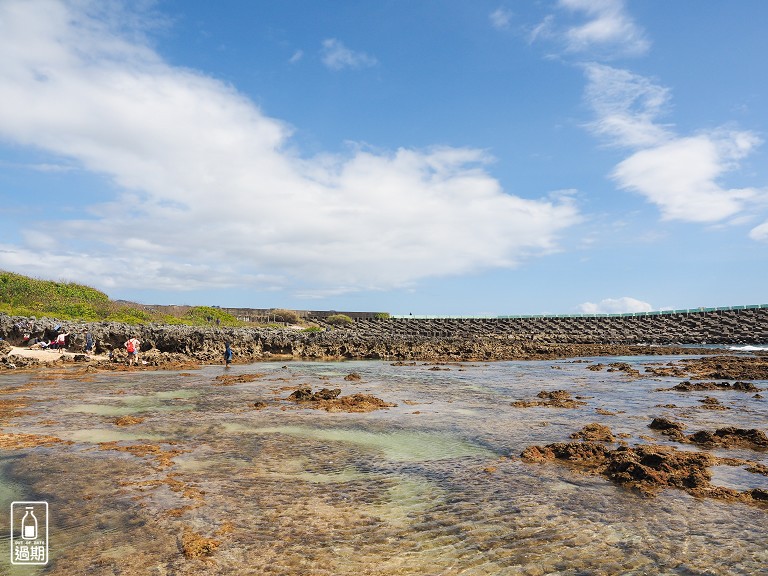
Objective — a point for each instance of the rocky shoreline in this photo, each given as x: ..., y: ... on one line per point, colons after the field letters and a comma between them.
x: 163, y: 345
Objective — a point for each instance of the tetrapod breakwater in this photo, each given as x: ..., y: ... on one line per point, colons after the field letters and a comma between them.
x: 734, y: 325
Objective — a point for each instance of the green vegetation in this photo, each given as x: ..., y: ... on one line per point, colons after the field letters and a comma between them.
x: 288, y: 316
x: 381, y: 315
x: 203, y: 315
x: 339, y: 320
x: 24, y: 296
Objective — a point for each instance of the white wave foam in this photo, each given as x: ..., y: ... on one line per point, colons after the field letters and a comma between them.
x: 748, y: 348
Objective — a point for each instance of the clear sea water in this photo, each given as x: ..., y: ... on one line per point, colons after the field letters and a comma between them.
x: 433, y: 486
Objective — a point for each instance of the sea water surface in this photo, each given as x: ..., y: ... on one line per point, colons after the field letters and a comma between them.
x: 432, y: 486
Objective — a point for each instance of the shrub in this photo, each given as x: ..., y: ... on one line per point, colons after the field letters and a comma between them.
x: 381, y: 315
x: 130, y: 316
x: 202, y: 315
x: 339, y: 320
x: 72, y: 310
x: 287, y: 316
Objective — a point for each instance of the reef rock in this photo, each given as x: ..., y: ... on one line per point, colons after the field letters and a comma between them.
x: 553, y: 399
x: 595, y: 433
x: 730, y: 437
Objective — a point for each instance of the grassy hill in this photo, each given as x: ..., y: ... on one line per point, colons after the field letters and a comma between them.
x: 24, y: 296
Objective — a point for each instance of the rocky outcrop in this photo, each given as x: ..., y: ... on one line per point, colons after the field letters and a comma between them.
x: 688, y: 386
x: 716, y: 367
x: 168, y: 343
x: 331, y: 401
x: 648, y: 468
x: 726, y: 437
x: 731, y: 437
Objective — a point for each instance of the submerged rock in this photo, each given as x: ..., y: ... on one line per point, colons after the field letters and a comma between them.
x: 355, y: 403
x: 128, y: 420
x: 196, y: 546
x: 553, y: 399
x: 623, y: 367
x: 230, y: 380
x: 710, y: 403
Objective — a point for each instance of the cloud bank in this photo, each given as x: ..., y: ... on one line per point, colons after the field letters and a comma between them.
x: 680, y: 174
x: 207, y: 191
x: 615, y: 306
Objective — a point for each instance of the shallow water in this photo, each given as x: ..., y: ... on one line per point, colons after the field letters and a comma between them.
x: 432, y: 486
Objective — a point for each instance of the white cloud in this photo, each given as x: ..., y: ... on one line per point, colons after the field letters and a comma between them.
x: 336, y: 56
x: 680, y: 174
x: 208, y: 191
x: 760, y: 233
x: 296, y: 56
x: 615, y: 306
x: 544, y: 29
x: 500, y: 18
x: 627, y: 106
x: 609, y: 27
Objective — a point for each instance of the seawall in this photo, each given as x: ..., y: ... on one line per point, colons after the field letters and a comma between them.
x: 714, y: 326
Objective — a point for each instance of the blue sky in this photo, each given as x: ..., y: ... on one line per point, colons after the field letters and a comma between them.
x: 431, y: 157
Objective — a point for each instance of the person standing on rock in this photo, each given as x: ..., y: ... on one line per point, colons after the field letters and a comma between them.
x: 132, y: 347
x: 88, y: 342
x: 61, y: 341
x: 227, y: 353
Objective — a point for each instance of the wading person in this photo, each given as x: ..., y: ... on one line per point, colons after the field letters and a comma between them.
x: 227, y: 353
x: 132, y: 347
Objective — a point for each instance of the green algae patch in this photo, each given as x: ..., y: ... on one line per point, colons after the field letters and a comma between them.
x: 157, y: 402
x: 100, y: 435
x: 397, y: 446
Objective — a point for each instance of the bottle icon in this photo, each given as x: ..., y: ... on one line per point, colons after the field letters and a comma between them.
x: 29, y: 525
